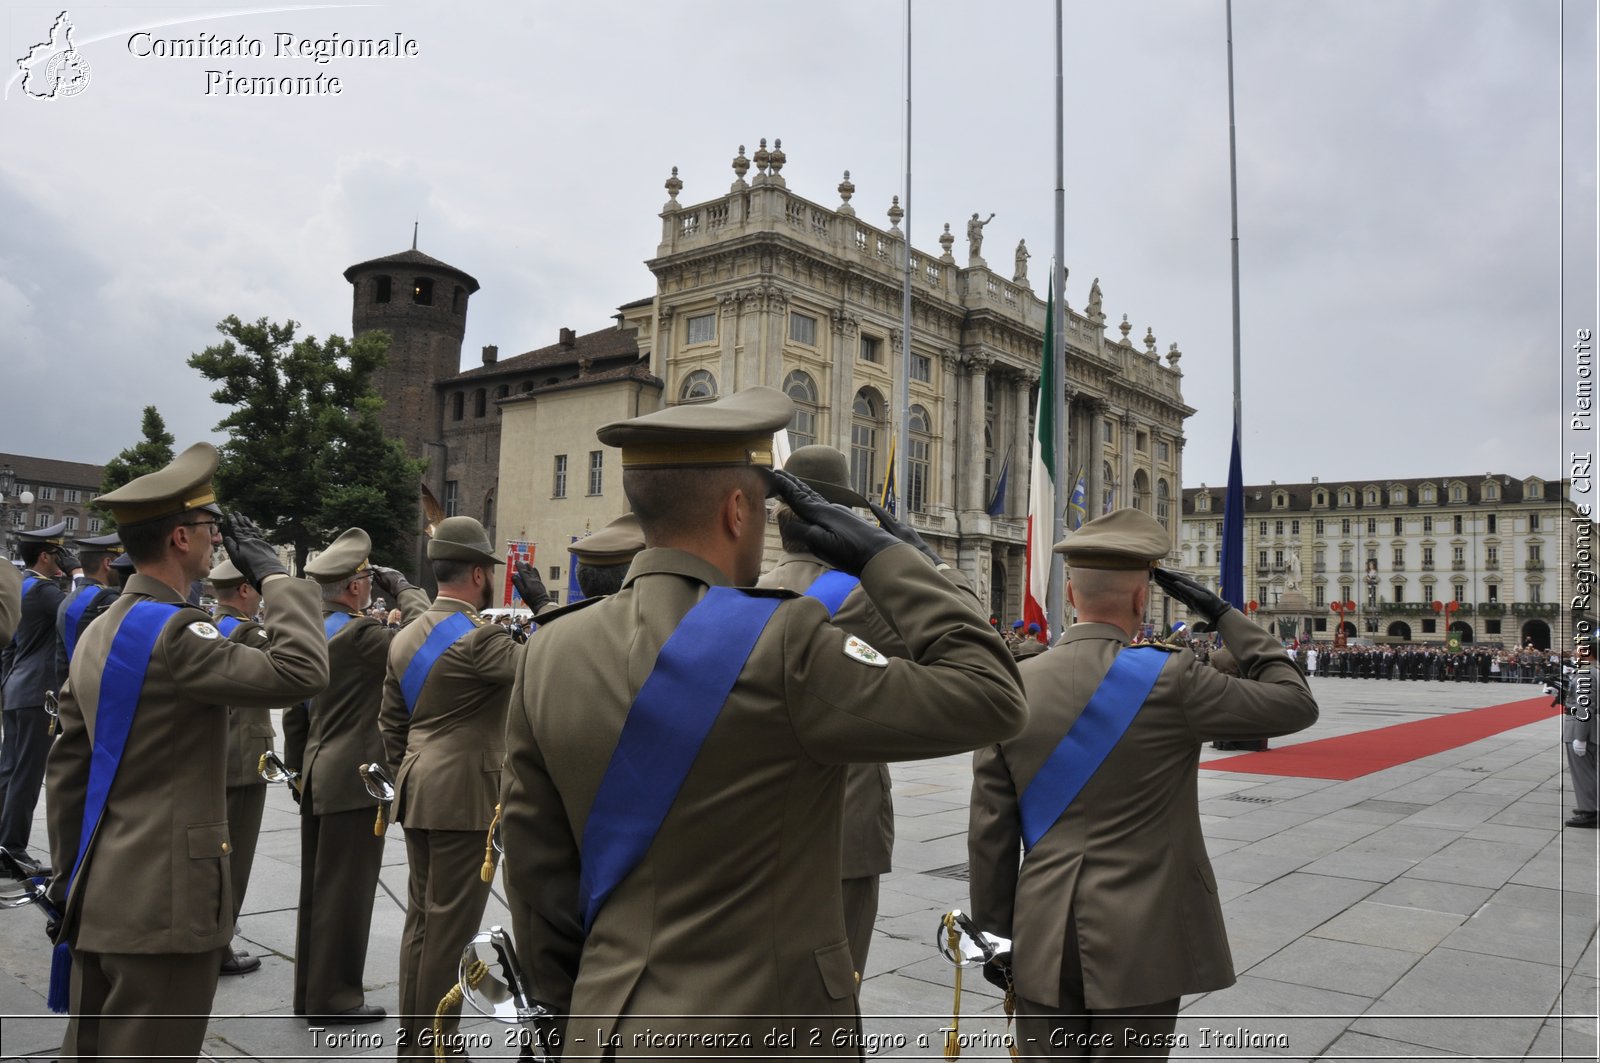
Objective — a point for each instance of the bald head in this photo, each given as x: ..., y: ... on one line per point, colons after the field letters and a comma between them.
x: 1110, y: 596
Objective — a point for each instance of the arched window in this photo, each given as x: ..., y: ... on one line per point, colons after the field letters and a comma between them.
x: 422, y: 291
x: 799, y: 386
x: 382, y: 289
x: 1397, y: 495
x: 499, y: 393
x: 458, y: 301
x: 698, y: 386
x: 458, y: 405
x: 1346, y: 498
x: 988, y: 462
x: 1141, y: 491
x: 918, y: 460
x: 1108, y: 489
x: 1163, y: 501
x: 866, y: 420
x: 1321, y: 498
x: 480, y: 403
x: 1426, y: 494
x: 1372, y: 496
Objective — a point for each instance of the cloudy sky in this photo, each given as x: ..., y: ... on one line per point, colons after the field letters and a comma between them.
x: 1401, y: 206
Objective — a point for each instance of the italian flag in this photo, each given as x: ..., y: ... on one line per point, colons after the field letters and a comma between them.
x: 1042, y: 485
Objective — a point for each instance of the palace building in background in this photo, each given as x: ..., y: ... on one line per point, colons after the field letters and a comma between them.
x: 759, y: 286
x: 1486, y: 547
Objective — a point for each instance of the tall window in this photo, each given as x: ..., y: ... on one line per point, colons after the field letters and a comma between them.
x: 1458, y: 525
x: 1163, y: 501
x: 1108, y: 489
x: 1427, y: 525
x: 597, y: 461
x: 1141, y: 491
x: 921, y: 368
x: 480, y: 402
x: 1533, y: 522
x: 867, y: 415
x: 803, y: 329
x: 698, y: 386
x: 918, y: 463
x: 1200, y: 556
x: 1461, y: 592
x: 802, y: 390
x: 702, y: 328
x: 558, y: 482
x: 381, y: 291
x: 1294, y: 527
x: 1399, y: 526
x: 1494, y: 524
x: 1344, y: 526
x: 1491, y: 555
x: 422, y: 291
x: 988, y: 462
x: 1372, y: 525
x: 458, y: 405
x: 72, y: 496
x: 452, y: 498
x: 72, y: 523
x: 871, y: 349
x: 1277, y: 527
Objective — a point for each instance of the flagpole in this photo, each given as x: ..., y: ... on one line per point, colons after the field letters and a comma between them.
x: 1233, y: 200
x: 1233, y: 508
x: 902, y: 384
x: 1055, y: 602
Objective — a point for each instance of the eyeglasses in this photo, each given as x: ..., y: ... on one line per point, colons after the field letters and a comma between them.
x: 203, y: 524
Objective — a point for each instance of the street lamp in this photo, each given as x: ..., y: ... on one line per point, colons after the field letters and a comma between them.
x: 8, y: 482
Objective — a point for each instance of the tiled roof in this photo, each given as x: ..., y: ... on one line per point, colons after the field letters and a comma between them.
x: 605, y: 348
x: 412, y: 257
x: 35, y: 471
x: 1258, y: 497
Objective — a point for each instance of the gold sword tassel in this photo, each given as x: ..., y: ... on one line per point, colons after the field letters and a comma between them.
x: 952, y: 1039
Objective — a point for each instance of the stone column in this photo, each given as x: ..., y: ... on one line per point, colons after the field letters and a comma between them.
x: 728, y: 306
x: 947, y: 471
x: 1125, y: 493
x: 1022, y: 452
x: 1094, y: 411
x: 977, y: 364
x: 839, y: 398
x: 665, y: 348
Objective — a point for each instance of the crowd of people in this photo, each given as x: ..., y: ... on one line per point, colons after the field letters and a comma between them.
x: 688, y: 769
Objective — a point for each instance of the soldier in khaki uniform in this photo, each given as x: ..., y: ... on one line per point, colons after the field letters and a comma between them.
x: 1114, y: 912
x: 10, y: 599
x: 868, y: 844
x: 443, y: 722
x: 144, y: 881
x: 676, y: 753
x: 250, y: 735
x: 340, y: 854
x: 602, y: 559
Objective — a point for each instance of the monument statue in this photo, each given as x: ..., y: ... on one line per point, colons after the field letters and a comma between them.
x: 975, y: 234
x: 1293, y: 580
x: 1021, y: 275
x: 1093, y: 309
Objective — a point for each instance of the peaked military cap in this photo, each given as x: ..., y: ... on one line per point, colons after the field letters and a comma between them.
x: 736, y: 430
x: 1123, y: 539
x: 56, y: 533
x: 615, y: 544
x: 183, y: 485
x: 123, y: 564
x: 462, y: 539
x: 225, y: 576
x: 109, y: 544
x: 827, y: 472
x: 345, y: 557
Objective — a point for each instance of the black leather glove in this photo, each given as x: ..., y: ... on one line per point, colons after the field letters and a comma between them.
x: 67, y: 560
x: 904, y: 532
x: 1199, y: 600
x: 525, y: 578
x: 835, y: 534
x: 997, y: 972
x: 249, y: 550
x: 389, y: 582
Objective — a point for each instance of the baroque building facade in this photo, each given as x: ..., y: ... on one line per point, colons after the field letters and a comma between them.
x: 1486, y: 547
x: 760, y: 286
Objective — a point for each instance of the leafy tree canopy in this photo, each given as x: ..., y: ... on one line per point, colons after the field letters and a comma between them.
x: 152, y: 452
x: 305, y: 457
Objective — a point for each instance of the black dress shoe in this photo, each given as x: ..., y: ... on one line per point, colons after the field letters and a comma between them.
x: 240, y: 962
x: 22, y: 866
x: 355, y: 1016
x: 1580, y: 818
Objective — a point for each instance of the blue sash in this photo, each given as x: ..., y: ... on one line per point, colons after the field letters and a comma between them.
x: 445, y: 633
x: 334, y: 623
x: 667, y: 724
x: 832, y: 588
x: 1087, y: 743
x: 75, y: 609
x: 228, y: 625
x: 121, y: 681
x: 27, y: 585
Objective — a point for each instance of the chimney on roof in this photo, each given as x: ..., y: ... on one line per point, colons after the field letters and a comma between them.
x: 568, y: 338
x: 491, y: 354
x: 1316, y: 479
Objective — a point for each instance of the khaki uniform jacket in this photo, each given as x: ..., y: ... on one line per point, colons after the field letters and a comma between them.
x: 156, y: 876
x: 10, y: 600
x: 446, y: 757
x: 868, y: 806
x: 250, y: 731
x: 330, y: 740
x: 736, y: 909
x: 1127, y: 856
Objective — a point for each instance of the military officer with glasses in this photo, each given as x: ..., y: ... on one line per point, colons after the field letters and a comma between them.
x: 136, y: 794
x: 327, y: 742
x: 28, y: 671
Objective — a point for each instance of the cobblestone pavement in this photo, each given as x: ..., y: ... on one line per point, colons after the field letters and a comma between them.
x: 1434, y: 909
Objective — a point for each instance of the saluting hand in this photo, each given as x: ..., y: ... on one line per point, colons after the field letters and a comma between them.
x: 1181, y: 588
x: 525, y: 578
x: 390, y: 582
x: 902, y: 531
x: 249, y: 550
x: 834, y: 533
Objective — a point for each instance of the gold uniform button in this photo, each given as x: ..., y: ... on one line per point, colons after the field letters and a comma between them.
x: 225, y: 847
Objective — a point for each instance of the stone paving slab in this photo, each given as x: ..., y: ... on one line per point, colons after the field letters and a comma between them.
x: 1467, y: 1002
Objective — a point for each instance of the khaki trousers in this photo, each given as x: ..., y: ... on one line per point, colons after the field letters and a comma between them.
x: 152, y: 1005
x: 245, y: 806
x: 444, y: 906
x: 339, y: 862
x: 860, y: 913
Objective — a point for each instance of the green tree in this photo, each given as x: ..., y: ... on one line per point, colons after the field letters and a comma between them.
x: 151, y: 453
x: 305, y: 457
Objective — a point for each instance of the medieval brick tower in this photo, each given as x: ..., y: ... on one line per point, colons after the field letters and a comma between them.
x: 422, y: 303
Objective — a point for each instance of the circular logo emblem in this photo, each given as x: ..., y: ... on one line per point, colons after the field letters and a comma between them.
x: 66, y: 74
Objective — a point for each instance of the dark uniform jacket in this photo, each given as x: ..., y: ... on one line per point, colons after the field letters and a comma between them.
x: 1128, y: 856
x: 28, y: 661
x: 250, y: 731
x: 339, y: 732
x: 156, y: 876
x: 446, y: 756
x: 735, y: 910
x: 10, y: 600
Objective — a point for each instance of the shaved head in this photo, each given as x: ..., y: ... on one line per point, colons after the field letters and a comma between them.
x: 1110, y: 596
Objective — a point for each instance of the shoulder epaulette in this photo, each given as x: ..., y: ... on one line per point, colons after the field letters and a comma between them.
x: 771, y: 592
x: 1163, y: 647
x: 566, y: 610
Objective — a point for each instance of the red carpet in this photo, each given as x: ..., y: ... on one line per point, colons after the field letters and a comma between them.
x: 1354, y: 755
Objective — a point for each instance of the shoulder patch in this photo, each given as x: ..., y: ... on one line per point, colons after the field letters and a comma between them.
x: 204, y: 629
x: 857, y: 650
